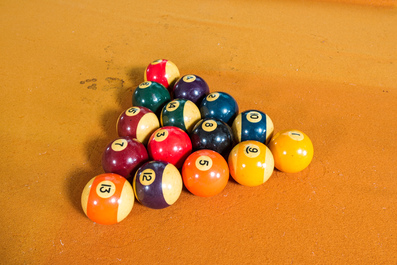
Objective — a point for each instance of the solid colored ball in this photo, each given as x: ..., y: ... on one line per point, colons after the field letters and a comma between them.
x: 124, y: 156
x: 212, y: 134
x: 170, y: 144
x: 191, y: 87
x: 162, y: 71
x: 205, y: 173
x: 137, y: 122
x: 292, y: 150
x: 107, y: 199
x: 180, y: 113
x: 157, y: 184
x: 251, y: 163
x: 151, y: 95
x: 219, y: 105
x: 253, y: 125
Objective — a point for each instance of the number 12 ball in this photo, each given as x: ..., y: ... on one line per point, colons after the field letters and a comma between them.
x: 251, y: 163
x: 157, y: 184
x: 107, y: 199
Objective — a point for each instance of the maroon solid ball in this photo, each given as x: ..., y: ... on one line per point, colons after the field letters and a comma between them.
x: 124, y: 156
x: 191, y: 87
x: 170, y: 144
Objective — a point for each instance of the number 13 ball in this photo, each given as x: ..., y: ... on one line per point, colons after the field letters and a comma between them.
x: 251, y: 163
x: 107, y: 199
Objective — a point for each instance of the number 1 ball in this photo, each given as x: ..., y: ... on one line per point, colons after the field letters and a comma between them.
x: 157, y: 184
x: 124, y: 156
x: 107, y: 199
x: 162, y: 71
x: 137, y: 122
x: 205, y: 173
x: 191, y: 87
x: 170, y: 144
x: 251, y: 163
x: 292, y: 150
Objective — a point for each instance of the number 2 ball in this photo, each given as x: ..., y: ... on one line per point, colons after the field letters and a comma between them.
x: 170, y: 144
x: 205, y: 173
x: 253, y: 125
x: 292, y: 150
x: 191, y: 87
x: 219, y: 105
x: 137, y: 122
x: 107, y: 199
x: 162, y: 71
x: 124, y: 156
x: 251, y: 163
x: 157, y: 184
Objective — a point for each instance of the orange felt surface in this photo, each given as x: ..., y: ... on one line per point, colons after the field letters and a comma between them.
x: 328, y: 68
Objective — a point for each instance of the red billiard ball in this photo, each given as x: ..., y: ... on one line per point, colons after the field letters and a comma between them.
x: 162, y: 71
x: 170, y: 144
x: 124, y: 156
x: 137, y: 122
x: 157, y: 184
x: 107, y: 198
x: 205, y: 173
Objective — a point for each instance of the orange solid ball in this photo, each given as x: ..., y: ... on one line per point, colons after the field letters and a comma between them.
x: 292, y: 151
x: 205, y: 173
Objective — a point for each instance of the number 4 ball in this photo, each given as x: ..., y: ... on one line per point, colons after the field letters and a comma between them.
x: 292, y: 150
x: 107, y: 199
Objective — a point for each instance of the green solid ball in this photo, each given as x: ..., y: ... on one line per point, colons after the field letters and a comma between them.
x: 151, y: 95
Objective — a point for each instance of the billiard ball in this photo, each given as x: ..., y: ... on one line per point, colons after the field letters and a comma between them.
x: 107, y: 199
x: 212, y: 134
x: 180, y: 113
x: 157, y: 184
x: 124, y: 156
x: 191, y: 87
x: 137, y: 122
x: 253, y: 125
x: 219, y: 105
x: 251, y: 163
x: 151, y: 95
x: 162, y: 71
x: 170, y: 144
x: 292, y: 150
x: 205, y: 173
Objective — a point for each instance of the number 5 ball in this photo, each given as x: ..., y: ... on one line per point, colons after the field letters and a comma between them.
x: 107, y: 199
x: 251, y: 163
x: 205, y: 173
x: 292, y: 151
x: 157, y: 184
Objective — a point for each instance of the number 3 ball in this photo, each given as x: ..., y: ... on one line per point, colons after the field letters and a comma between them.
x: 170, y: 144
x: 205, y: 173
x: 107, y: 199
x: 162, y: 71
x: 124, y: 156
x: 180, y: 113
x: 252, y: 125
x: 137, y: 122
x: 292, y: 151
x: 157, y: 184
x: 251, y: 163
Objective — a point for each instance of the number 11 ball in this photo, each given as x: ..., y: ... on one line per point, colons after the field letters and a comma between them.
x: 162, y: 71
x: 107, y: 199
x: 251, y: 163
